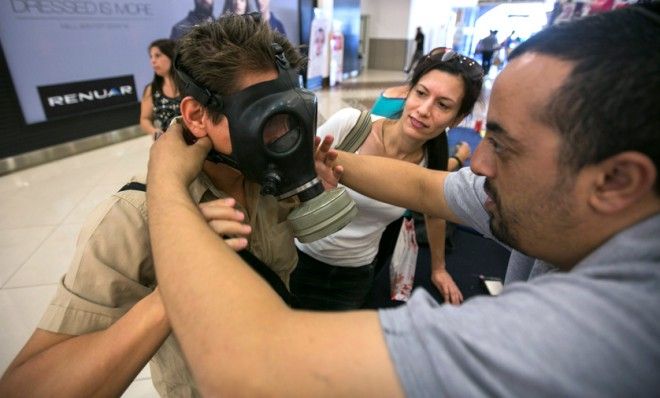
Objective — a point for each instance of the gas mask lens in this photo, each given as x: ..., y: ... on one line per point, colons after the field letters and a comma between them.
x: 281, y: 133
x: 320, y: 212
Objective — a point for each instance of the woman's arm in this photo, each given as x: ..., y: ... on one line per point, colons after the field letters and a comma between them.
x: 436, y: 230
x: 102, y: 363
x: 147, y: 113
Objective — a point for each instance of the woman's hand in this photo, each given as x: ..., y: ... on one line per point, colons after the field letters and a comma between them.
x: 226, y: 221
x: 324, y: 162
x: 172, y: 160
x: 446, y: 286
x: 463, y: 151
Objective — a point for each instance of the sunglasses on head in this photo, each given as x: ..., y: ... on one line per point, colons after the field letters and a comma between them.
x: 446, y: 54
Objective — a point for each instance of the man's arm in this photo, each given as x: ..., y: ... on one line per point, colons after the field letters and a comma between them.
x: 391, y: 181
x: 236, y: 333
x: 103, y: 363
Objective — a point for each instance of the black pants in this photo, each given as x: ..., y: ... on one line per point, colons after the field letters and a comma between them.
x: 316, y: 285
x: 413, y: 61
x: 486, y: 60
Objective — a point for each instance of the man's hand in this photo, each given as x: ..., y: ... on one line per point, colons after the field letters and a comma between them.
x: 172, y: 159
x: 225, y: 220
x: 323, y: 161
x: 447, y: 287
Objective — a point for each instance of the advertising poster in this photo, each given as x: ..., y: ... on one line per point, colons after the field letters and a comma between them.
x: 336, y: 54
x: 281, y: 15
x: 67, y: 57
x: 317, y: 67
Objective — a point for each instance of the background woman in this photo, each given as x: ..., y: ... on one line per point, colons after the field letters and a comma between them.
x: 160, y: 100
x: 336, y: 272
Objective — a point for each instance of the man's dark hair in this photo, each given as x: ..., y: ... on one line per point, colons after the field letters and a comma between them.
x: 610, y: 102
x: 216, y: 54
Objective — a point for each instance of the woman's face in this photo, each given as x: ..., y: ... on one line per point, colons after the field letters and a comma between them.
x: 160, y: 62
x: 432, y: 105
x: 240, y: 6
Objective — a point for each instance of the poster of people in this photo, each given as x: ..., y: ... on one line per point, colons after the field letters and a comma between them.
x: 63, y: 53
x: 317, y: 66
x: 568, y: 10
x: 336, y: 53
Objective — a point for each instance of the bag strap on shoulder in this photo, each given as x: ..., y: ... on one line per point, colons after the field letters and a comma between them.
x: 134, y: 186
x: 358, y: 133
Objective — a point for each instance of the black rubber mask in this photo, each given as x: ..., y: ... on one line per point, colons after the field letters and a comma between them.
x: 272, y: 127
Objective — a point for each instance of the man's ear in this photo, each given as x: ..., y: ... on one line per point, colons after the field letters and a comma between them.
x: 622, y: 181
x: 193, y: 114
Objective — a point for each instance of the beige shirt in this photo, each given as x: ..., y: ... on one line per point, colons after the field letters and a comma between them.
x: 112, y: 269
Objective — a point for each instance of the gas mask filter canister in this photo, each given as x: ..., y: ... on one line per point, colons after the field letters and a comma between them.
x: 272, y: 127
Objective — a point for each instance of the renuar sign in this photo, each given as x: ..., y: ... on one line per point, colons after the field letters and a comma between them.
x: 71, y: 56
x: 79, y: 97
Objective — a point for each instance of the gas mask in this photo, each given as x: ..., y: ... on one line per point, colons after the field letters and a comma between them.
x: 272, y: 126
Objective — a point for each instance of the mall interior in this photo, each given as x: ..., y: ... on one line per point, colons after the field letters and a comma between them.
x: 57, y: 165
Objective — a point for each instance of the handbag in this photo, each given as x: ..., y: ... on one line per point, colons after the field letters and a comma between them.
x: 404, y: 262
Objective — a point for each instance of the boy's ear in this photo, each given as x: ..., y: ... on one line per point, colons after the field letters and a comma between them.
x: 193, y: 114
x: 623, y: 180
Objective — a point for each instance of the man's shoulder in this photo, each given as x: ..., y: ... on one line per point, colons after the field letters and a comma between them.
x: 587, y: 322
x: 134, y: 194
x: 134, y: 191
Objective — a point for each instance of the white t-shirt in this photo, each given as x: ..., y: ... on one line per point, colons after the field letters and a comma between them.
x: 357, y: 243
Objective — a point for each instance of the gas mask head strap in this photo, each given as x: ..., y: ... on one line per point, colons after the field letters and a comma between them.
x: 213, y: 100
x: 200, y: 93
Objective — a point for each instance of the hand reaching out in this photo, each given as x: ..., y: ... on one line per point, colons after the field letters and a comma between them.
x: 324, y: 159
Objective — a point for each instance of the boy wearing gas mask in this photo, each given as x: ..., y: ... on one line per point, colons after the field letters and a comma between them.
x: 107, y: 319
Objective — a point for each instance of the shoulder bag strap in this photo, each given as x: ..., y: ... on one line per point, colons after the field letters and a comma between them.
x: 134, y: 186
x: 358, y: 133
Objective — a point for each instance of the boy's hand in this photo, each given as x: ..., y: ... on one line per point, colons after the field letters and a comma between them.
x: 226, y: 221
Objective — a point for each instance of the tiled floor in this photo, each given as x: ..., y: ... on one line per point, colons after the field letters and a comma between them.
x: 42, y: 209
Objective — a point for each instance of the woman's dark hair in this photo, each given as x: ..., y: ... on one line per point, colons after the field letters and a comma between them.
x: 230, y: 7
x: 166, y: 46
x: 471, y: 73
